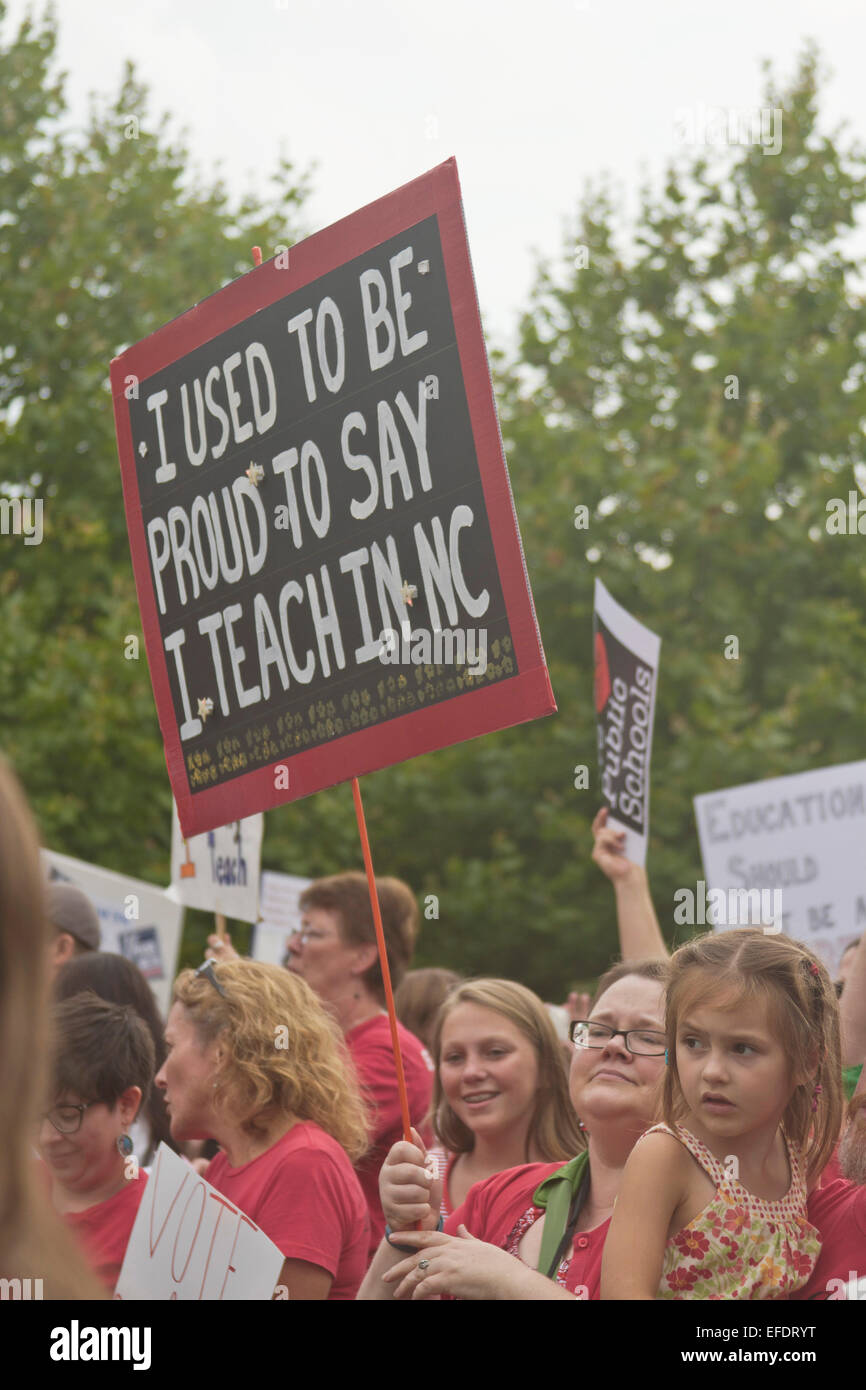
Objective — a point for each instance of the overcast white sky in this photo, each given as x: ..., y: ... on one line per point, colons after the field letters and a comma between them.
x: 531, y: 98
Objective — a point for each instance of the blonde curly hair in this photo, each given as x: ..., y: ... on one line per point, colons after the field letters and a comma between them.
x: 286, y: 1055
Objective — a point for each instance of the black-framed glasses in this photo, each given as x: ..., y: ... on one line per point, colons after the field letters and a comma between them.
x: 642, y: 1042
x: 67, y: 1119
x: 207, y: 969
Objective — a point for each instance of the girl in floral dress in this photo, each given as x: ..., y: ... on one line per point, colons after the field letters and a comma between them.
x: 713, y: 1202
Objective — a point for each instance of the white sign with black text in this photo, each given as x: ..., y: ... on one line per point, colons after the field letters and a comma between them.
x: 136, y: 919
x: 803, y: 838
x: 219, y: 871
x: 281, y: 915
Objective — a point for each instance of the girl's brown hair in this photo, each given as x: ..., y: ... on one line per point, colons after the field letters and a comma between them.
x: 553, y: 1129
x: 747, y: 964
x: 285, y: 1054
x: 419, y: 998
x: 33, y: 1240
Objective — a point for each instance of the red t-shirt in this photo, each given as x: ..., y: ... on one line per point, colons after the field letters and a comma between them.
x: 832, y: 1172
x: 498, y: 1211
x: 303, y: 1193
x: 103, y: 1231
x: 370, y: 1046
x: 839, y: 1212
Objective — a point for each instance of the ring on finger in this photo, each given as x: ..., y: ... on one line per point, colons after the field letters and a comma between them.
x: 423, y: 1264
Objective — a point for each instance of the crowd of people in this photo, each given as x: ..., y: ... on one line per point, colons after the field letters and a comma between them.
x: 698, y: 1133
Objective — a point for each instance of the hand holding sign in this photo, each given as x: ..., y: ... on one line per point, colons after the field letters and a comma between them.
x: 609, y: 849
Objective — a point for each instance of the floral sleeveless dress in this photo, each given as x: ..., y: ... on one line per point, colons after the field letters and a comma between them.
x: 739, y: 1246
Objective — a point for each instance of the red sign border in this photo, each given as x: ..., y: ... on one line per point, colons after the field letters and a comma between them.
x: 515, y: 700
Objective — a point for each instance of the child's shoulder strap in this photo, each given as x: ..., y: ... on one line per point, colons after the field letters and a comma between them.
x: 659, y: 1129
x: 699, y: 1152
x: 799, y: 1185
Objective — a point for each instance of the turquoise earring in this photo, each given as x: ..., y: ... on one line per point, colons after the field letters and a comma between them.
x: 666, y: 1056
x: 124, y: 1145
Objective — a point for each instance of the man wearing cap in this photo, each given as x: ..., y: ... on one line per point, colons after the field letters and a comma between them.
x: 75, y: 923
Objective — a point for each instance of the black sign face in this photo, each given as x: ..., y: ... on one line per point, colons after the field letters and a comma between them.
x: 312, y: 520
x: 277, y: 598
x: 623, y: 697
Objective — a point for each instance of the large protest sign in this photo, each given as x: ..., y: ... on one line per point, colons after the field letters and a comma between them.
x: 626, y: 674
x: 219, y: 871
x: 136, y: 919
x: 801, y: 839
x: 325, y: 546
x: 280, y: 915
x: 190, y: 1242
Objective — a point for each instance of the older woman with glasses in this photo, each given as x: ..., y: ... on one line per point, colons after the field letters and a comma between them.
x: 256, y: 1063
x: 103, y: 1070
x: 537, y: 1231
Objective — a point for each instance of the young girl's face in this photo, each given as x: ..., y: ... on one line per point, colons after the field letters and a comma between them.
x: 734, y: 1073
x: 488, y: 1069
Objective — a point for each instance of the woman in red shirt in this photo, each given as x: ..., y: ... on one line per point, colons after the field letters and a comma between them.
x: 538, y: 1219
x: 255, y: 1063
x: 104, y: 1063
x: 335, y: 952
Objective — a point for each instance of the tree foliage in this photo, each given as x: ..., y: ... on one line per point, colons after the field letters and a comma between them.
x: 700, y: 388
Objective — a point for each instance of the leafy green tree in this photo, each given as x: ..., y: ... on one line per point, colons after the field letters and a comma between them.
x: 103, y: 237
x: 699, y: 388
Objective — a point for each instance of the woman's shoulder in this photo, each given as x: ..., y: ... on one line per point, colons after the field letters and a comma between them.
x: 307, y: 1138
x: 498, y: 1195
x: 121, y: 1206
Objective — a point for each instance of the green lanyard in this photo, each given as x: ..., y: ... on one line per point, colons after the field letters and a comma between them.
x: 562, y: 1197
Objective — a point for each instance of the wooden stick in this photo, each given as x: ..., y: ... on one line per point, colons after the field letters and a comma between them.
x: 220, y: 920
x: 383, y: 961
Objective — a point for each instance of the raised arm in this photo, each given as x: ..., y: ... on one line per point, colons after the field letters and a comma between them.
x: 639, y: 930
x: 852, y: 1010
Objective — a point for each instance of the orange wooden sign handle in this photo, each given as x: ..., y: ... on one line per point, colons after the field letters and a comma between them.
x: 383, y: 961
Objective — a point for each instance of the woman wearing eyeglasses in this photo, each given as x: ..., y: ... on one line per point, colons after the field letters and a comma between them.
x: 103, y: 1070
x: 256, y: 1063
x: 537, y: 1231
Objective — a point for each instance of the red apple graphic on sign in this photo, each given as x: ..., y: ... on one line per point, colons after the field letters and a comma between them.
x: 602, y: 674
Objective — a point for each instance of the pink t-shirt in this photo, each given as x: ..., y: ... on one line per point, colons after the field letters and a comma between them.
x: 304, y: 1194
x: 103, y: 1231
x: 500, y: 1210
x: 370, y: 1046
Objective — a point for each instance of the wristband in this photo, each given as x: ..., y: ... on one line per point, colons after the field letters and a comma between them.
x: 408, y: 1249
